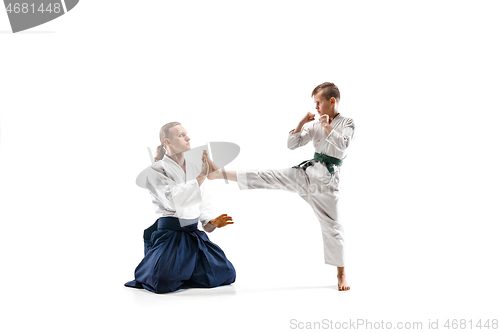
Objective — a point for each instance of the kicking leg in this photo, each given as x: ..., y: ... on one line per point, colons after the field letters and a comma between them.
x: 217, y: 173
x: 289, y: 179
x: 223, y: 174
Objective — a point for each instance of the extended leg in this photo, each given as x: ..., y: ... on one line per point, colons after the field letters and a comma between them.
x: 289, y: 179
x: 223, y: 174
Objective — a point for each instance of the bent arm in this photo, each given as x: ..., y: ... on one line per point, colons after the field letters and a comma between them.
x: 209, y: 227
x: 163, y: 187
x: 206, y: 210
x: 342, y: 137
x: 300, y: 136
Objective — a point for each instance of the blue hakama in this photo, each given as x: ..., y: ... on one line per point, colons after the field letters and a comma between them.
x: 178, y: 257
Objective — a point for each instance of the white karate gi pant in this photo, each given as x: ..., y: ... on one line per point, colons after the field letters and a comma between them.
x: 316, y: 186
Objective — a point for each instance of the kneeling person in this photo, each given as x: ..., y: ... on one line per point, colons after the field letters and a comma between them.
x: 176, y: 253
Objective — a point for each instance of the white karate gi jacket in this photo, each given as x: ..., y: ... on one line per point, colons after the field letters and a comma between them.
x: 315, y: 185
x: 175, y: 193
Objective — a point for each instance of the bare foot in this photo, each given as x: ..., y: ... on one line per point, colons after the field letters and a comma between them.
x: 217, y: 174
x: 214, y: 172
x: 343, y: 285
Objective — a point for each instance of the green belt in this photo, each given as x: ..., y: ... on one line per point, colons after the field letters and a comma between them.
x: 328, y: 160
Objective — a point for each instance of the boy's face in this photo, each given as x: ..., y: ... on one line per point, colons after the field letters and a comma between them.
x: 178, y: 141
x: 324, y: 106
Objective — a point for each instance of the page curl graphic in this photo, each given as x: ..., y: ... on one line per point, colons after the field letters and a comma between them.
x: 221, y: 153
x: 26, y: 14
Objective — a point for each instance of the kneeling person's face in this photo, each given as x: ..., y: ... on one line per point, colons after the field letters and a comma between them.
x: 178, y: 140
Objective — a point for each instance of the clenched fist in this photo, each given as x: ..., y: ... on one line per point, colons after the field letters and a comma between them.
x: 307, y: 118
x: 324, y: 120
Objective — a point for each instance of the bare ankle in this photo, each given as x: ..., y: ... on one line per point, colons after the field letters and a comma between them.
x: 213, y: 175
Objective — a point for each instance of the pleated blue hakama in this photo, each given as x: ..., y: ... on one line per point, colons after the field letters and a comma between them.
x: 178, y: 257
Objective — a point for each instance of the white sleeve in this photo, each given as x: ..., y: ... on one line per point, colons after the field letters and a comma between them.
x: 168, y: 192
x: 206, y: 209
x: 341, y: 138
x: 301, y: 138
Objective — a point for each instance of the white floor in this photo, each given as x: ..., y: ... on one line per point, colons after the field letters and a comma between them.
x: 277, y: 302
x: 282, y: 284
x: 65, y: 272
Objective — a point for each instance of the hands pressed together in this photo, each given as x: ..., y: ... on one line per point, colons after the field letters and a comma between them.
x: 205, y: 165
x: 208, y: 167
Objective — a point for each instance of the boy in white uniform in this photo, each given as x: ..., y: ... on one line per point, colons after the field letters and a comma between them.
x: 316, y: 180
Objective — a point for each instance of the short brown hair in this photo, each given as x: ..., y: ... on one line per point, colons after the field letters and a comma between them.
x: 327, y: 90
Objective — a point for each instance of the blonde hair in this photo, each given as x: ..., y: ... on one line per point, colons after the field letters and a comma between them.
x: 164, y: 131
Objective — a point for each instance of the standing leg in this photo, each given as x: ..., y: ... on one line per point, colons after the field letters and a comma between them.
x: 342, y: 281
x: 324, y: 201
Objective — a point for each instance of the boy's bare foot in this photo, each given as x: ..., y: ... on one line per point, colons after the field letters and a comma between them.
x: 217, y: 174
x: 214, y: 171
x: 343, y: 285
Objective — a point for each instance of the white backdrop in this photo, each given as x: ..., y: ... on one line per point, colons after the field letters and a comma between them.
x: 83, y: 96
